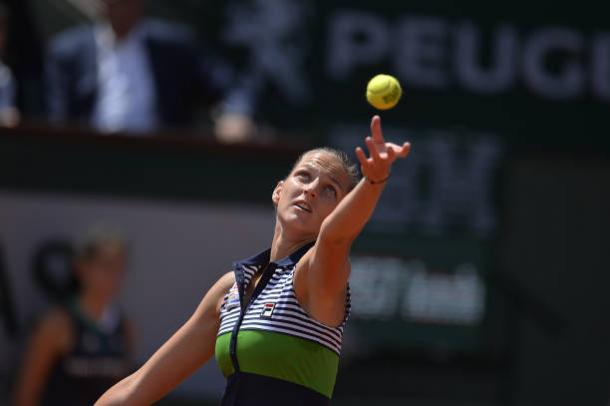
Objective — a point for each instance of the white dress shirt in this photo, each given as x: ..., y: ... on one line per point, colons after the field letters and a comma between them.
x: 126, y: 96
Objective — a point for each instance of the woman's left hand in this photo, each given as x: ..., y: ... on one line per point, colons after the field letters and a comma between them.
x: 377, y: 167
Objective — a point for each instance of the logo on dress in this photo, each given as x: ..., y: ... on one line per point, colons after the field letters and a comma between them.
x: 267, y: 310
x: 232, y: 299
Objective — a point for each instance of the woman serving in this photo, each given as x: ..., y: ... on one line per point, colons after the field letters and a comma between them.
x: 275, y: 322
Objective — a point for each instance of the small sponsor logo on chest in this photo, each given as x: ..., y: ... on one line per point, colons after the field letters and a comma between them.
x: 232, y: 300
x: 267, y: 310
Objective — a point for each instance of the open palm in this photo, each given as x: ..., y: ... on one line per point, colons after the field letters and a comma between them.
x: 382, y: 154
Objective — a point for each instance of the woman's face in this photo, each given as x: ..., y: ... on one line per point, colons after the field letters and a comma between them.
x: 311, y: 192
x: 103, y: 273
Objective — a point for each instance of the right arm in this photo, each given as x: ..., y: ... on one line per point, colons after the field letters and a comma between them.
x: 189, y: 348
x: 49, y: 341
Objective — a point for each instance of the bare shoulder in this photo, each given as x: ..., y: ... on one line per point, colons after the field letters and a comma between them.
x: 56, y: 319
x: 55, y: 328
x: 224, y: 283
x: 212, y: 301
x: 227, y: 280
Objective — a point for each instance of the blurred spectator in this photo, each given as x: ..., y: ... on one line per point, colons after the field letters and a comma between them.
x: 24, y: 55
x: 81, y: 348
x: 128, y: 73
x: 9, y: 115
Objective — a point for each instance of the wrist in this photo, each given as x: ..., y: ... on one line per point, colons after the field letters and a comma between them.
x: 377, y: 181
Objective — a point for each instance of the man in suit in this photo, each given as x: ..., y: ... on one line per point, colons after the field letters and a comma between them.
x: 131, y: 74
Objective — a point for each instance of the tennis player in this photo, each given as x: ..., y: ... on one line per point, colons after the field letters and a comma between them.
x: 82, y: 347
x: 275, y: 322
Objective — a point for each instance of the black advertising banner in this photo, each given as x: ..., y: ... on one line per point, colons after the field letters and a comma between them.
x: 531, y: 73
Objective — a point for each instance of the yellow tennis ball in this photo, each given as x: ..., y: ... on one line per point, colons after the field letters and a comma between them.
x: 383, y: 92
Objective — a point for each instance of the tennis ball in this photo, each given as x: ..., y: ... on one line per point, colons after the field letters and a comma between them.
x: 383, y: 92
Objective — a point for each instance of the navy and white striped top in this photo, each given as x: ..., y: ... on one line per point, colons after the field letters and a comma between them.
x: 276, y: 308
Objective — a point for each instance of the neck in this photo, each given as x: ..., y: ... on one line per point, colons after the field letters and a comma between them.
x: 121, y: 31
x: 284, y: 244
x: 92, y: 305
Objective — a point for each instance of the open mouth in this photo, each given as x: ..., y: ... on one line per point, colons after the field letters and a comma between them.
x: 303, y: 206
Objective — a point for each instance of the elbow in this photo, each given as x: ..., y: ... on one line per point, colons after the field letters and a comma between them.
x: 120, y: 394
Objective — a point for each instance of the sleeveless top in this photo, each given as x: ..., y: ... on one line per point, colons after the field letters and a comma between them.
x: 270, y: 350
x: 97, y: 361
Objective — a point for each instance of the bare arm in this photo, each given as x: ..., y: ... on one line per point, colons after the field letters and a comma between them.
x: 189, y: 348
x: 327, y: 266
x: 48, y: 342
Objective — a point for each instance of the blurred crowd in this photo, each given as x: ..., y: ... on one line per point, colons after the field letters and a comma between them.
x: 121, y: 72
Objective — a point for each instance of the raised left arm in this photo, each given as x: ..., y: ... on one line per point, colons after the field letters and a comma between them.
x: 327, y: 263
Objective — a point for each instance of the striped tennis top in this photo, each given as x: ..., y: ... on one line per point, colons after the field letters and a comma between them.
x: 271, y: 341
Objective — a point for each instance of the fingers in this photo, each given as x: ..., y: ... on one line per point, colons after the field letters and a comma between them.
x: 370, y: 145
x: 376, y: 129
x: 400, y: 151
x: 381, y: 154
x: 391, y: 154
x: 406, y: 148
x: 361, y: 157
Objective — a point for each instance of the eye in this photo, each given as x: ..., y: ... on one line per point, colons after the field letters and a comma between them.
x: 303, y: 176
x: 331, y: 190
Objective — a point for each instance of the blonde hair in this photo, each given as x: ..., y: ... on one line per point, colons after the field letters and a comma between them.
x: 95, y: 240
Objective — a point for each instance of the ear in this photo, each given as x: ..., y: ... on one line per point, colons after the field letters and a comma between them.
x: 275, y: 197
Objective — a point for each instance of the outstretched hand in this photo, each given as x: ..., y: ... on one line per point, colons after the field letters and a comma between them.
x: 382, y: 154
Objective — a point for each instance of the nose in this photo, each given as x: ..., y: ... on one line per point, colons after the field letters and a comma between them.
x: 311, y: 188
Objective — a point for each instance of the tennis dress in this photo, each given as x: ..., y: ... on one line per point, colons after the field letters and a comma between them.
x: 270, y: 350
x: 98, y: 360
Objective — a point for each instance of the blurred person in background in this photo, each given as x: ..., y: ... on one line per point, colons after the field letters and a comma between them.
x: 9, y: 115
x: 79, y: 349
x: 24, y: 55
x: 127, y: 73
x: 8, y: 330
